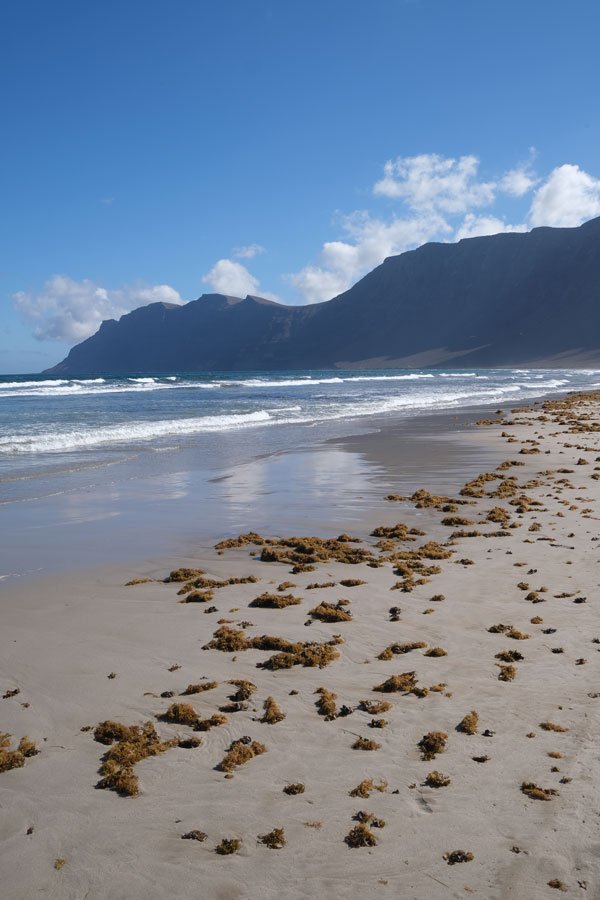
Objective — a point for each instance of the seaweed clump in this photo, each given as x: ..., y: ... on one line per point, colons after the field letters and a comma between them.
x: 131, y: 744
x: 366, y: 788
x: 537, y: 793
x: 273, y: 712
x: 233, y: 640
x: 360, y: 836
x: 499, y: 515
x: 423, y: 499
x: 15, y: 759
x: 456, y: 521
x: 396, y: 649
x: 469, y: 724
x: 198, y: 597
x: 184, y: 575
x: 374, y: 707
x: 199, y: 688
x: 303, y: 552
x: 309, y: 655
x: 435, y: 779
x: 432, y: 743
x: 239, y: 753
x: 294, y: 788
x: 185, y: 714
x: 404, y: 683
x: 245, y: 689
x: 436, y: 651
x: 249, y: 537
x: 228, y: 846
x: 362, y: 743
x: 399, y: 532
x: 331, y: 612
x: 507, y: 673
x: 453, y: 857
x: 509, y: 656
x: 326, y: 703
x: 275, y: 601
x: 274, y: 840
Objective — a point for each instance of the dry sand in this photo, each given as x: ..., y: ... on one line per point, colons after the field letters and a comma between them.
x: 60, y: 642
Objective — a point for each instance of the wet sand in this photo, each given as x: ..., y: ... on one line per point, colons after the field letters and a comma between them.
x: 534, y: 558
x: 158, y: 506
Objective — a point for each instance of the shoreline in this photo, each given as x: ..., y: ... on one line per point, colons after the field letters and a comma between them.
x: 63, y: 641
x: 90, y: 528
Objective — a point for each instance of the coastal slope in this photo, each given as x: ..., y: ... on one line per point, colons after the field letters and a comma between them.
x: 504, y: 300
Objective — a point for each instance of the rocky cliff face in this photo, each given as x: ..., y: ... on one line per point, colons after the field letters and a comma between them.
x: 508, y: 299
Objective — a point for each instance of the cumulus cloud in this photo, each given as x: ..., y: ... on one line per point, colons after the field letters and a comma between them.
x: 434, y: 192
x: 567, y: 198
x: 430, y: 181
x: 440, y: 198
x: 234, y: 280
x: 369, y: 241
x: 69, y: 310
x: 231, y: 278
x: 518, y: 181
x: 249, y: 251
x: 479, y: 226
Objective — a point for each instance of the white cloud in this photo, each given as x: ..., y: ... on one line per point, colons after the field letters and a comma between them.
x: 68, y: 310
x: 518, y: 182
x: 567, y: 198
x: 440, y: 199
x: 430, y: 181
x: 249, y: 251
x: 234, y: 280
x: 479, y: 226
x: 231, y: 278
x: 341, y: 263
x: 439, y: 195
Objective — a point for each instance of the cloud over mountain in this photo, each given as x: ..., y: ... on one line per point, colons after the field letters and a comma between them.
x: 69, y: 310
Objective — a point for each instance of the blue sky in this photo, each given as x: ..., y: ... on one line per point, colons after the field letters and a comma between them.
x: 157, y: 150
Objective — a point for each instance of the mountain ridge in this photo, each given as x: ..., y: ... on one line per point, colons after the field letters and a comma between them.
x: 508, y: 299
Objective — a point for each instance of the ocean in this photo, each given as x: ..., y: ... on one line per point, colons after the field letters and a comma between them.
x: 43, y: 418
x: 96, y: 466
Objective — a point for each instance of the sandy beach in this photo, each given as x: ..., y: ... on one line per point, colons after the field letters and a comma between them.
x: 433, y: 730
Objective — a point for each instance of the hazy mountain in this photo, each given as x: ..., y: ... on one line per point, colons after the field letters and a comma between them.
x: 508, y: 299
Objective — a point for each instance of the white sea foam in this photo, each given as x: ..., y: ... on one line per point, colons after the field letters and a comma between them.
x: 80, y: 390
x: 8, y: 385
x: 81, y: 387
x: 129, y: 432
x: 320, y: 409
x: 308, y: 381
x: 284, y: 382
x: 50, y: 383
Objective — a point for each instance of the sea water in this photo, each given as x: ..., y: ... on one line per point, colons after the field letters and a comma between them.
x: 103, y: 463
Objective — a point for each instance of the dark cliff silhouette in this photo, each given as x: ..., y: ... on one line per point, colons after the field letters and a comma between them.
x: 508, y: 299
